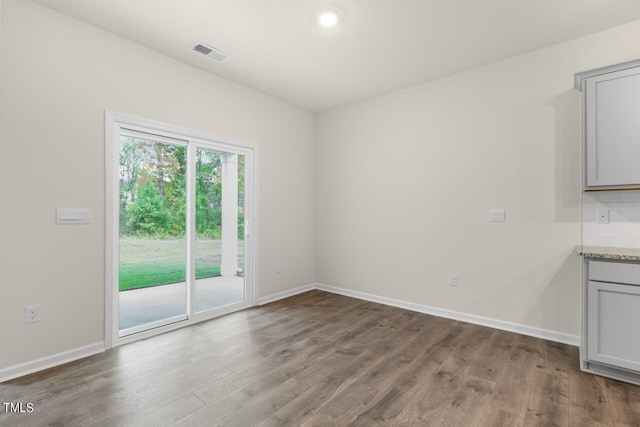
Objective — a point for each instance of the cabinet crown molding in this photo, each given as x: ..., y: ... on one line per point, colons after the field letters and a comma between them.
x: 579, y: 77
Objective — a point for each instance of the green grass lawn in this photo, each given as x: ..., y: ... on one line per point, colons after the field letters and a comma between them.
x: 146, y: 262
x: 133, y: 276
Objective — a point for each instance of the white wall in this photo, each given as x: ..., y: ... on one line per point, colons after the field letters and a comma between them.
x: 58, y: 76
x: 406, y: 181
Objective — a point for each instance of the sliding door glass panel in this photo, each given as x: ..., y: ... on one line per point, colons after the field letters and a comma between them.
x: 219, y: 229
x: 153, y: 250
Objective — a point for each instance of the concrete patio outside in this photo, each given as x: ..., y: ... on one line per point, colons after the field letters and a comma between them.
x: 146, y: 305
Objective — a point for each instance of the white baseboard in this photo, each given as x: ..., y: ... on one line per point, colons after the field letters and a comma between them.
x: 546, y: 334
x: 27, y: 368
x: 286, y: 294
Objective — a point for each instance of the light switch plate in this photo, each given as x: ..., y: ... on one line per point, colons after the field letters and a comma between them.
x: 453, y: 279
x: 496, y: 215
x: 73, y: 216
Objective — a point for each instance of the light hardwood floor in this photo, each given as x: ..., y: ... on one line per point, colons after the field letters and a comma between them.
x: 319, y: 359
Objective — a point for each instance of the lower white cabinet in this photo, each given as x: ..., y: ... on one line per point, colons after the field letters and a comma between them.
x: 611, y: 346
x: 614, y: 324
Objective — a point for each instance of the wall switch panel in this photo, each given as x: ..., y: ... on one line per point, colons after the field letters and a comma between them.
x: 496, y: 215
x: 73, y: 216
x: 453, y: 279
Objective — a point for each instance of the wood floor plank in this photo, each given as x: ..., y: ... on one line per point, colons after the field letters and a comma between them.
x: 449, y: 396
x: 341, y: 368
x: 161, y: 414
x: 587, y: 401
x: 549, y: 400
x: 390, y: 402
x: 347, y: 404
x: 244, y: 409
x: 467, y: 403
x: 515, y: 382
x: 441, y: 349
x: 491, y: 360
x: 468, y: 350
x: 300, y: 410
x: 624, y: 402
x: 494, y: 417
x: 559, y: 358
x: 425, y: 406
x: 320, y: 359
x: 170, y: 413
x: 399, y: 345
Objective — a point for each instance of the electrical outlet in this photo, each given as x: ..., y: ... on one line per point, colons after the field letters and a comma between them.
x: 278, y: 268
x: 453, y: 279
x: 32, y: 313
x: 603, y: 216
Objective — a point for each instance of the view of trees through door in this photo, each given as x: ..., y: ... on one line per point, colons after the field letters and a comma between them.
x: 152, y: 217
x: 219, y: 228
x: 152, y: 213
x: 153, y: 228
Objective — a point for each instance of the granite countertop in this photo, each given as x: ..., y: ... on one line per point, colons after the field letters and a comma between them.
x: 604, y: 252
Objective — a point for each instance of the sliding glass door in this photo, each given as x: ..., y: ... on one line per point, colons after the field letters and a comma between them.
x: 180, y: 213
x: 219, y: 229
x: 152, y: 231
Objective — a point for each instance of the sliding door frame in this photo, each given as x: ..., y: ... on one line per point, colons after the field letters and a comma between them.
x: 194, y: 139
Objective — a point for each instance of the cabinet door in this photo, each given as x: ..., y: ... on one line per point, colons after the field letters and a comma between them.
x: 613, y: 129
x: 613, y: 323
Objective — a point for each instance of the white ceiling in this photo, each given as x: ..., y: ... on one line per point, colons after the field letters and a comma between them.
x: 380, y: 46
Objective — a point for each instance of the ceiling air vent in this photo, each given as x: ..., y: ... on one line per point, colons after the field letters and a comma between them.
x: 210, y: 52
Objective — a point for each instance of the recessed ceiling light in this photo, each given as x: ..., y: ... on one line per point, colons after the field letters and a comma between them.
x: 328, y: 18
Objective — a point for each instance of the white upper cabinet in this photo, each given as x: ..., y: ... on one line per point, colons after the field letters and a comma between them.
x: 611, y: 126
